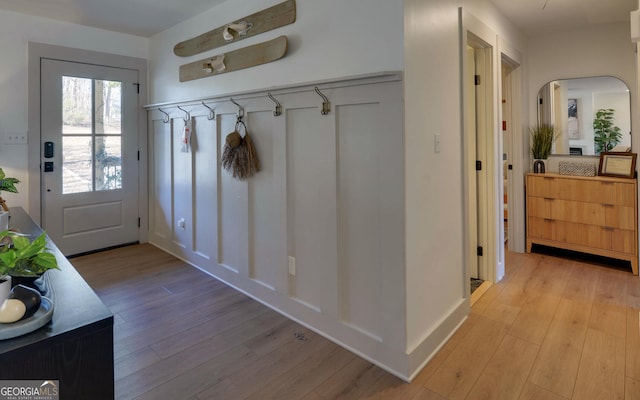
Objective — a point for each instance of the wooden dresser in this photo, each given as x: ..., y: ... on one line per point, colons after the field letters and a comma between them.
x: 595, y: 215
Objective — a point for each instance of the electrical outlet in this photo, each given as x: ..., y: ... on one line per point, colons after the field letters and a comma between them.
x: 292, y: 266
x: 15, y: 138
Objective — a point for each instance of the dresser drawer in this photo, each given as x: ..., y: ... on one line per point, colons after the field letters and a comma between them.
x: 539, y: 207
x: 592, y: 191
x: 540, y: 228
x: 618, y: 193
x: 577, y: 211
x: 622, y: 217
x: 592, y: 236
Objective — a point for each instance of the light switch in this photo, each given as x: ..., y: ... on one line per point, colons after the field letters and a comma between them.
x: 292, y: 266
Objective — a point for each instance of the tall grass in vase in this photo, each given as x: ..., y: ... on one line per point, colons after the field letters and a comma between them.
x: 542, y: 138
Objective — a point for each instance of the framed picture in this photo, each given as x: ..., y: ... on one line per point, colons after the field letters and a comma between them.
x: 622, y: 165
x: 572, y: 123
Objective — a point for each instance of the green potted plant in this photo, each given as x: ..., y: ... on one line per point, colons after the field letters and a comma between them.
x: 21, y: 257
x: 542, y: 137
x: 8, y: 185
x: 606, y: 134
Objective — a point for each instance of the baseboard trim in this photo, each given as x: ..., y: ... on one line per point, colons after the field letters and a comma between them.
x: 420, y: 356
x: 289, y: 310
x: 405, y: 365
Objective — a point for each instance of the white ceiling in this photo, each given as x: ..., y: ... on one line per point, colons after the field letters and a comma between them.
x: 537, y: 17
x: 148, y: 17
x: 137, y: 17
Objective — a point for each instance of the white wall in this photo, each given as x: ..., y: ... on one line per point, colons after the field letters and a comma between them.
x: 328, y: 200
x: 329, y: 39
x: 435, y: 265
x: 434, y: 239
x: 364, y: 37
x: 16, y: 30
x: 331, y: 194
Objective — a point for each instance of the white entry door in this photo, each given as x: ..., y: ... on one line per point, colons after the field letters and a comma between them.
x: 89, y: 155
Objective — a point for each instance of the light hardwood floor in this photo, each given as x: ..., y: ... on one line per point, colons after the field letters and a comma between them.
x: 552, y: 329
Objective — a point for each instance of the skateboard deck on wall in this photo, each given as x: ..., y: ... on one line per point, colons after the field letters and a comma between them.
x: 246, y: 57
x: 262, y: 21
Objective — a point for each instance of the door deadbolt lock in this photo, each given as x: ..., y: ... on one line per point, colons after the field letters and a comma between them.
x: 48, y: 149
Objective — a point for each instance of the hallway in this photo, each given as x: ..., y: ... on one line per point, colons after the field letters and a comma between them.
x: 553, y: 329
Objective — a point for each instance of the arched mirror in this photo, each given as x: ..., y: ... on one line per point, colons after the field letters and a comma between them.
x: 571, y: 105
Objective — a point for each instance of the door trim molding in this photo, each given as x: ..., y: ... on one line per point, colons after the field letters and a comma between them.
x: 515, y: 197
x: 38, y: 51
x: 479, y: 36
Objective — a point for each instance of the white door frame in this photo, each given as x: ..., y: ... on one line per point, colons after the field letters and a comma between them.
x: 485, y: 197
x: 510, y: 88
x: 471, y: 156
x: 483, y: 39
x: 37, y: 51
x: 478, y: 128
x: 518, y: 151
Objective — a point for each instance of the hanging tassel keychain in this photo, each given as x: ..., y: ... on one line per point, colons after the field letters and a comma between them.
x: 185, y: 140
x: 239, y: 156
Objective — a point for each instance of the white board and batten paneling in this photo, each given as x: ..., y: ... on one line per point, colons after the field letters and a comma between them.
x: 318, y: 234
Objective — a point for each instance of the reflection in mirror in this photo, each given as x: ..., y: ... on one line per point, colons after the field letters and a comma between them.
x: 570, y: 105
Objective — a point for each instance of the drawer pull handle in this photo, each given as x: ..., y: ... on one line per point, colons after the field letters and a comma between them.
x: 608, y: 229
x: 548, y: 198
x: 609, y: 205
x: 548, y: 220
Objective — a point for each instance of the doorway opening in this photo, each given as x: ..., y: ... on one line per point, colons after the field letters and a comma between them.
x: 511, y: 159
x: 479, y: 147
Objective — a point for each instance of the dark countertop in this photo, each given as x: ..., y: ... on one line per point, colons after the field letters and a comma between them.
x: 76, y: 305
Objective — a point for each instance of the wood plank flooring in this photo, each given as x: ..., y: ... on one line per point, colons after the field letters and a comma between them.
x: 552, y: 329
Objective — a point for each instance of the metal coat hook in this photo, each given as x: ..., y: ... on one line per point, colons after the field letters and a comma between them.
x: 212, y: 114
x: 278, y: 111
x: 187, y: 114
x: 326, y: 104
x: 240, y: 109
x: 166, y: 118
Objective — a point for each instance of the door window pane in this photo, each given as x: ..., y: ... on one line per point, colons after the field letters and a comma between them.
x: 108, y: 100
x: 76, y: 105
x: 91, y: 127
x: 77, y: 164
x: 108, y: 163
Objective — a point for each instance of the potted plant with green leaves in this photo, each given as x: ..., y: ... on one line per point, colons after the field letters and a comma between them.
x: 542, y: 137
x: 23, y: 259
x: 8, y: 185
x: 606, y: 134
